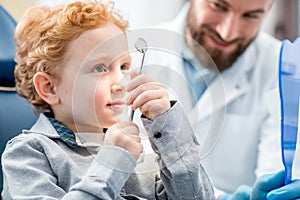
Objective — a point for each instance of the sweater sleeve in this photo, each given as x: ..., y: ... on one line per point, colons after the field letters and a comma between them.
x: 182, y: 175
x: 107, y: 175
x: 29, y: 175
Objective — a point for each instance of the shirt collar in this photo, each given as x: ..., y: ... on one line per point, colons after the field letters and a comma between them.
x: 189, y: 56
x: 65, y: 134
x: 82, y: 139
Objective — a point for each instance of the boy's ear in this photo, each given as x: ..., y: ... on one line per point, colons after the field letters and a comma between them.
x: 46, y: 88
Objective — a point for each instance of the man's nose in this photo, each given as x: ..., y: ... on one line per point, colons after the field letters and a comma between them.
x: 229, y: 27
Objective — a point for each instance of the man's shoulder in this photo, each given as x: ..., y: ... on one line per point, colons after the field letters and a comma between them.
x: 266, y: 41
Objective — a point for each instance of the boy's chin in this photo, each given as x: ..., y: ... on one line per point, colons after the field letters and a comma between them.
x: 121, y: 116
x: 116, y: 117
x: 109, y: 123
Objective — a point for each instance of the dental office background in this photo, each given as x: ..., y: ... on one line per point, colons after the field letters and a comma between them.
x: 283, y: 21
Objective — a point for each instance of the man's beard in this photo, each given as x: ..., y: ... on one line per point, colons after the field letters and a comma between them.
x: 216, y: 60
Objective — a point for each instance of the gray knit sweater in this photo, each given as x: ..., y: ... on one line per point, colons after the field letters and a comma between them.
x: 37, y: 164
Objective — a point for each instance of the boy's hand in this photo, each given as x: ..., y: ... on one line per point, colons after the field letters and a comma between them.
x: 126, y: 136
x: 148, y: 95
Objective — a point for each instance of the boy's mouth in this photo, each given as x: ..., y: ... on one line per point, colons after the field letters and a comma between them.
x: 116, y: 104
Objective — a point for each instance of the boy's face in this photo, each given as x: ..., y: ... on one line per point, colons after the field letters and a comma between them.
x: 90, y: 96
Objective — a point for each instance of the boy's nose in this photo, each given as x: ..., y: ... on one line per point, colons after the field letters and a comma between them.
x: 117, y: 87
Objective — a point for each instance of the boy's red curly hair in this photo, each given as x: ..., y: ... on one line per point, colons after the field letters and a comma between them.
x: 43, y: 34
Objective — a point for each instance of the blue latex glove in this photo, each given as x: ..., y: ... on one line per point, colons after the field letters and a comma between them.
x: 241, y: 193
x: 271, y: 187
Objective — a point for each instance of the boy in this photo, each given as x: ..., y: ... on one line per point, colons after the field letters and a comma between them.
x: 69, y: 62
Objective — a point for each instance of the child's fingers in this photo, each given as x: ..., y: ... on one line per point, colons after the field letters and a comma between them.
x: 122, y: 125
x: 128, y: 128
x: 125, y: 135
x: 145, y: 96
x: 137, y: 151
x: 154, y: 108
x: 138, y: 81
x: 150, y: 86
x: 132, y: 132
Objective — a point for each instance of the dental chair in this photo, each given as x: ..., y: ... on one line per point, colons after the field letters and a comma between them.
x: 15, y: 113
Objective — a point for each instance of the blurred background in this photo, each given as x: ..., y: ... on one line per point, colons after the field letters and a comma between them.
x: 283, y: 21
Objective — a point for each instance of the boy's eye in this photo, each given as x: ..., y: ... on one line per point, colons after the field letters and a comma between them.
x: 123, y: 67
x: 100, y: 68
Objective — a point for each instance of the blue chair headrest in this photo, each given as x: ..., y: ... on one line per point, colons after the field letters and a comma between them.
x: 7, y: 49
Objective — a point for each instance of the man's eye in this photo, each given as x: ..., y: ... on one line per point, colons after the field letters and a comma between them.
x: 217, y: 6
x: 123, y: 67
x: 99, y: 68
x: 251, y: 16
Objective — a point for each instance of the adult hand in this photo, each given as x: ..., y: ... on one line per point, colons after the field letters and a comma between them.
x: 271, y: 187
x: 126, y: 136
x: 148, y: 95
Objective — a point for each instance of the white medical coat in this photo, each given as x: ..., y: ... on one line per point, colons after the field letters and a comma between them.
x: 240, y: 140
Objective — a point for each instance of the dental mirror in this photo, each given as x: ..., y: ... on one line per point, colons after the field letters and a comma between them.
x: 141, y: 46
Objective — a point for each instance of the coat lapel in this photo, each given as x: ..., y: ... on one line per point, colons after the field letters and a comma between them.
x: 220, y: 93
x: 227, y: 87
